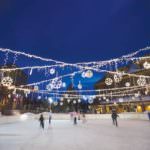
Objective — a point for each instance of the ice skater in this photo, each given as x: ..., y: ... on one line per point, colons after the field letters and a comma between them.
x: 41, y: 119
x: 71, y: 116
x: 114, y: 116
x: 75, y: 118
x: 50, y: 117
x: 83, y: 118
x: 149, y: 115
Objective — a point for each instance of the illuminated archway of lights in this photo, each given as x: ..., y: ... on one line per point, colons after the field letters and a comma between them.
x: 53, y: 86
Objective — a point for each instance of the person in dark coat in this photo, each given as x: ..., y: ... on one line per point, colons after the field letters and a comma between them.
x: 75, y: 118
x: 114, y: 116
x: 41, y: 119
x: 149, y: 115
x: 50, y: 117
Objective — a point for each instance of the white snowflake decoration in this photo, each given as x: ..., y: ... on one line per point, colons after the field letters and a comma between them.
x: 108, y: 81
x: 54, y: 84
x: 57, y: 84
x: 52, y: 71
x: 117, y: 78
x: 146, y: 65
x: 127, y: 84
x: 141, y: 81
x: 7, y: 81
x: 89, y: 74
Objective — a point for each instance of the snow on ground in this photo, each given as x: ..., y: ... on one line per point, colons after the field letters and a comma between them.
x: 62, y: 134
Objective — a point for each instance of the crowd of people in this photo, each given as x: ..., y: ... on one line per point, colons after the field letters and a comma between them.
x: 75, y: 117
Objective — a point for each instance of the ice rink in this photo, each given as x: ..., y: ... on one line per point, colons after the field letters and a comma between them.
x: 63, y: 135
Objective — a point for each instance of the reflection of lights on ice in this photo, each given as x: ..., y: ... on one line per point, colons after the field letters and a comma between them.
x: 23, y: 117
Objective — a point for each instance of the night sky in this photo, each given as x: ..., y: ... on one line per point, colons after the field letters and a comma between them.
x: 75, y: 30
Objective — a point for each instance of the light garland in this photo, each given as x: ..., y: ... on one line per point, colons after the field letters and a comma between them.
x: 84, y: 68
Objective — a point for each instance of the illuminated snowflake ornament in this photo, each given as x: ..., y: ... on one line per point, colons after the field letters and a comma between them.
x: 55, y: 84
x: 127, y: 84
x: 7, y: 81
x: 117, y: 78
x: 141, y: 81
x: 146, y: 65
x: 52, y: 71
x: 108, y: 81
x: 88, y: 74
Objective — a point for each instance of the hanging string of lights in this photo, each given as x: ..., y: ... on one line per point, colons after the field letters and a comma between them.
x: 84, y: 68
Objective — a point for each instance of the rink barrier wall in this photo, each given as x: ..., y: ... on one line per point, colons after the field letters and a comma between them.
x: 128, y: 116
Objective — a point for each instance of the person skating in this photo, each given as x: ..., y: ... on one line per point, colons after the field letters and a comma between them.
x: 50, y: 117
x: 114, y: 117
x: 83, y: 118
x: 148, y: 115
x: 75, y: 118
x: 41, y: 119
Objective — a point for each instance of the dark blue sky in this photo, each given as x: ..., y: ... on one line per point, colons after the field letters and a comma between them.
x: 75, y: 30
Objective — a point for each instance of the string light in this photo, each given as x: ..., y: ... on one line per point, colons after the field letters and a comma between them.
x: 86, y: 68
